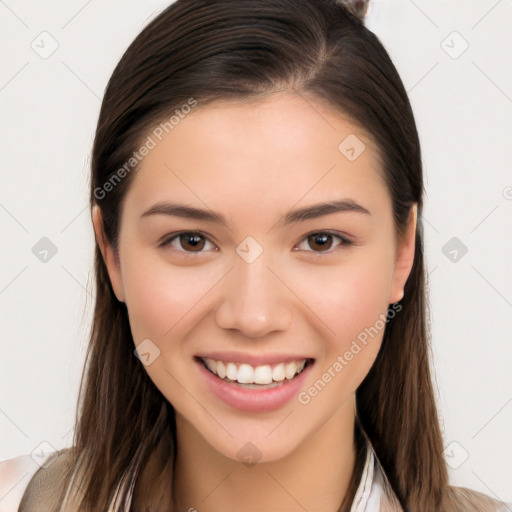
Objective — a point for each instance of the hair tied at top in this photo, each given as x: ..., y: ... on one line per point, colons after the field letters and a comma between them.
x: 358, y: 8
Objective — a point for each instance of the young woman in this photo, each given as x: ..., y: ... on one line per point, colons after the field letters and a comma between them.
x: 260, y: 338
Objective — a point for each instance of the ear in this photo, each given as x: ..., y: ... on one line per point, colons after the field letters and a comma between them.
x: 404, y: 258
x: 109, y: 257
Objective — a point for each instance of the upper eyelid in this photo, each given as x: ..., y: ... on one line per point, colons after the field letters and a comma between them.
x: 166, y: 240
x: 345, y: 239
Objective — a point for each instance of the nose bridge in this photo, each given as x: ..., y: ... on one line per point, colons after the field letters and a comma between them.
x: 255, y: 301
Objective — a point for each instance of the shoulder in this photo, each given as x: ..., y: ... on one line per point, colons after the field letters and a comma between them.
x: 15, y: 475
x: 469, y: 500
x: 458, y: 499
x: 28, y: 481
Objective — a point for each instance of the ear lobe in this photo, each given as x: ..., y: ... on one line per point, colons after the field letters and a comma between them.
x: 404, y: 257
x: 109, y: 257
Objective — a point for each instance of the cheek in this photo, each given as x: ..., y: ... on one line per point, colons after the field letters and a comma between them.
x: 351, y: 297
x: 353, y: 303
x: 158, y: 296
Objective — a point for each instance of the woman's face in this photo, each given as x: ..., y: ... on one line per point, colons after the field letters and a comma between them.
x: 252, y: 288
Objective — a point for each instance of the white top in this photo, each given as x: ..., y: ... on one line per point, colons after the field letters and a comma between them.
x: 372, y: 495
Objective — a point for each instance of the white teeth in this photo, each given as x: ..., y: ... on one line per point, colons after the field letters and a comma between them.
x: 278, y: 372
x: 231, y: 371
x: 211, y: 365
x: 263, y: 374
x: 259, y: 375
x: 221, y: 369
x: 290, y: 369
x: 245, y: 374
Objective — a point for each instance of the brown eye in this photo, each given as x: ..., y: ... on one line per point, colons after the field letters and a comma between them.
x: 187, y: 242
x: 322, y: 241
x: 191, y: 241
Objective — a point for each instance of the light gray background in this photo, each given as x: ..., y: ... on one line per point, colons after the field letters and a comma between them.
x: 463, y: 106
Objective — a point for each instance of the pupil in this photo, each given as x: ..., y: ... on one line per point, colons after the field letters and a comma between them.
x: 196, y: 240
x: 322, y: 239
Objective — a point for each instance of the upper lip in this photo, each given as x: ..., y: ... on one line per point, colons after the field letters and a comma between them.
x: 252, y: 359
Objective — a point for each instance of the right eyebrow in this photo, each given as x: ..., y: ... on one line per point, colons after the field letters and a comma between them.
x: 319, y: 210
x: 299, y: 215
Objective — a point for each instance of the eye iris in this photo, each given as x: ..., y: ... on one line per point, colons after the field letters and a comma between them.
x: 185, y: 239
x: 321, y: 238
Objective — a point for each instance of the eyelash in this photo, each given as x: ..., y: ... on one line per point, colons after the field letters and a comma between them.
x: 344, y: 240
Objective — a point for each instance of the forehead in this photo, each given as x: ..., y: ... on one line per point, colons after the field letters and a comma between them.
x: 273, y: 151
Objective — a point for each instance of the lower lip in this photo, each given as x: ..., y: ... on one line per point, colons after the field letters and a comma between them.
x: 254, y: 400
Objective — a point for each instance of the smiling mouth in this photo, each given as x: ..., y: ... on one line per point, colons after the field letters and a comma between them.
x: 255, y: 377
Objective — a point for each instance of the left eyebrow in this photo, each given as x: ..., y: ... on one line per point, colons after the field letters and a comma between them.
x: 302, y: 214
x: 321, y: 209
x: 187, y: 212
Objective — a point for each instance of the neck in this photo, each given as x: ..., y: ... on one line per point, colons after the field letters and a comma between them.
x: 314, y: 477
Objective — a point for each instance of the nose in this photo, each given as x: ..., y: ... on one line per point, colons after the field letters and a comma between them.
x: 255, y: 300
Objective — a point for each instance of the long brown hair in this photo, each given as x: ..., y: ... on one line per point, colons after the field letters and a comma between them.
x: 209, y: 50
